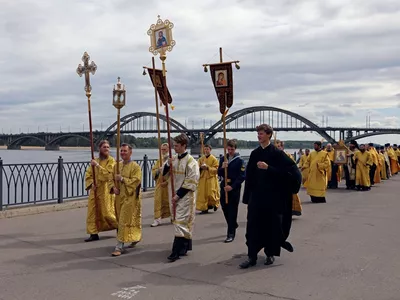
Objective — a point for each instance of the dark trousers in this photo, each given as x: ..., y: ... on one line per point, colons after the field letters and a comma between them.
x: 350, y: 184
x: 318, y: 199
x: 387, y: 170
x: 231, y: 209
x: 333, y: 182
x: 181, y: 246
x: 372, y: 174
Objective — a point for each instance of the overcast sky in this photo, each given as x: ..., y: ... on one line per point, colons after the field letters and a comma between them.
x: 334, y: 58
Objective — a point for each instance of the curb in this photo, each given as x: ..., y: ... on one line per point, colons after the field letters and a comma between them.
x: 46, y: 208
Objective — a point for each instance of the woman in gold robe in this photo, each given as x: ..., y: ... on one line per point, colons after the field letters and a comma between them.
x: 363, y: 163
x: 208, y: 191
x: 161, y: 201
x: 319, y: 163
x: 128, y: 201
x: 100, y: 211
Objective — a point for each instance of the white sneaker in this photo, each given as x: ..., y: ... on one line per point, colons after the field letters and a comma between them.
x: 156, y: 223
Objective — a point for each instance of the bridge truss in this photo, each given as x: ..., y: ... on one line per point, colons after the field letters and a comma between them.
x: 244, y: 120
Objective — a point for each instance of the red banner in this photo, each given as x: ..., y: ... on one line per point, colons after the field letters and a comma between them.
x: 221, y: 75
x: 160, y: 84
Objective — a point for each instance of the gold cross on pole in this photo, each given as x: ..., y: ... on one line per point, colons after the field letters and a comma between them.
x: 86, y: 69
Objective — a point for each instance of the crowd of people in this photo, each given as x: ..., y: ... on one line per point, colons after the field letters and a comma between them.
x: 272, y: 180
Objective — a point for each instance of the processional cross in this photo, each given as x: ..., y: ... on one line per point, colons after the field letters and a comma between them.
x: 86, y: 69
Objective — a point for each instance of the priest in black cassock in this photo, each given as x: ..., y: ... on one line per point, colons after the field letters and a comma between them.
x: 271, y: 180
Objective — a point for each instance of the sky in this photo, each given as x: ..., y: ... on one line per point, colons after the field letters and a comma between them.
x: 331, y: 59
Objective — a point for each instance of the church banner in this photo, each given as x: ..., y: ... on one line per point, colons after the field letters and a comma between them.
x: 221, y: 75
x: 159, y: 83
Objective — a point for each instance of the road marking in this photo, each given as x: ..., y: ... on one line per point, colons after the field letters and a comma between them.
x: 128, y: 293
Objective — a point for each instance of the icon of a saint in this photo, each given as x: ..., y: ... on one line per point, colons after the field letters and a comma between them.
x: 162, y: 41
x: 221, y: 81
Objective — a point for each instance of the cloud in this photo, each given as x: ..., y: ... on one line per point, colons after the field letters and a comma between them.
x: 316, y: 58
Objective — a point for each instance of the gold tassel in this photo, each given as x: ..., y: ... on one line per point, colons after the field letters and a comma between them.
x: 172, y: 107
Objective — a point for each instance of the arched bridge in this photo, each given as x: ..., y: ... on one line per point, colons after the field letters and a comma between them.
x: 244, y: 120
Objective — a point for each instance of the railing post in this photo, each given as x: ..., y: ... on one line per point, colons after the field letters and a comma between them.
x: 1, y: 184
x: 145, y: 168
x: 60, y: 176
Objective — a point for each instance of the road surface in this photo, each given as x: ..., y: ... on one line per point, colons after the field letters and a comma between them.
x: 346, y: 249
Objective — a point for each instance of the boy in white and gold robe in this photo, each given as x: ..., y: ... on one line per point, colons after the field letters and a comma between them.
x: 185, y: 171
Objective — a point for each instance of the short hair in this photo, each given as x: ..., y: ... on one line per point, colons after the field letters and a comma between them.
x: 208, y: 146
x: 127, y: 145
x: 165, y: 144
x: 103, y: 142
x: 182, y: 139
x: 231, y: 143
x: 318, y: 143
x: 266, y: 128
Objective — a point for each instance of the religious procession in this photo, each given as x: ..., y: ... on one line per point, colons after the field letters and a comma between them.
x: 268, y: 184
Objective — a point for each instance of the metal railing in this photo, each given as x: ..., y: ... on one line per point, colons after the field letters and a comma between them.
x: 32, y: 183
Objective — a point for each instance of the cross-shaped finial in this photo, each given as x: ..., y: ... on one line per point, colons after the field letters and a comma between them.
x: 159, y: 16
x: 86, y: 69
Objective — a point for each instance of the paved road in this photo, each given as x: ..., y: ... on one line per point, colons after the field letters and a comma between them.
x: 346, y: 249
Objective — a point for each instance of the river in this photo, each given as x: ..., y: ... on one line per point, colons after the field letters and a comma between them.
x: 72, y: 155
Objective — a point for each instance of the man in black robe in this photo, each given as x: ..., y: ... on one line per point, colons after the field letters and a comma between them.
x: 271, y: 180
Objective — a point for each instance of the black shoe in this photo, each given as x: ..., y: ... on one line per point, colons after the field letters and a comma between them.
x: 269, y: 260
x: 203, y: 212
x: 93, y: 237
x: 287, y: 246
x: 248, y: 263
x: 173, y: 257
x: 215, y: 208
x: 229, y: 239
x: 296, y: 213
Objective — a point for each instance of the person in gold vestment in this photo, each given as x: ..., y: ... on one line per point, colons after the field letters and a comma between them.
x: 333, y: 171
x: 382, y: 163
x: 318, y: 162
x: 394, y: 162
x: 387, y: 161
x: 296, y: 202
x: 304, y: 170
x: 376, y: 176
x: 208, y: 191
x: 161, y: 201
x: 101, y: 211
x: 397, y: 152
x: 128, y: 201
x: 186, y: 177
x: 364, y: 162
x: 375, y: 164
